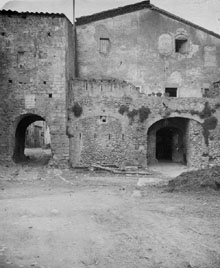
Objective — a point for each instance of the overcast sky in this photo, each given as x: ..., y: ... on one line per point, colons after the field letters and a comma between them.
x: 203, y: 12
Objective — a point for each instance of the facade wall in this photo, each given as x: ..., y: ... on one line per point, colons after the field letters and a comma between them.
x: 38, y: 135
x: 36, y: 64
x: 141, y: 50
x: 110, y: 123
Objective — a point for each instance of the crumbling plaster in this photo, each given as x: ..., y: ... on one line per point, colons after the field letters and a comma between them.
x: 143, y: 52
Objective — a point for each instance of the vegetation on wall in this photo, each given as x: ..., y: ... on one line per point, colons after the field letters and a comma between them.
x: 210, y: 123
x: 123, y: 109
x: 143, y: 112
x: 77, y: 109
x: 217, y: 106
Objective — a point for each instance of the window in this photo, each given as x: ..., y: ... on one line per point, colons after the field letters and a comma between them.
x: 181, y: 45
x: 171, y: 91
x: 104, y: 45
x: 205, y: 92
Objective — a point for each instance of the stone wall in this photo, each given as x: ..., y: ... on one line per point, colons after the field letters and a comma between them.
x: 140, y: 47
x: 109, y: 123
x: 36, y: 64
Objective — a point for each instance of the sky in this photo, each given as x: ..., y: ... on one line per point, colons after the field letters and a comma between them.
x: 205, y: 13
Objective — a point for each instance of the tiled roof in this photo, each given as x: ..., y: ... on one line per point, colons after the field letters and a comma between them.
x: 113, y: 12
x: 172, y: 16
x: 135, y: 7
x: 27, y: 13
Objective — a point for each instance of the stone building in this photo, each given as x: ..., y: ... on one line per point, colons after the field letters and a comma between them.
x: 37, y: 135
x: 36, y: 58
x: 128, y: 86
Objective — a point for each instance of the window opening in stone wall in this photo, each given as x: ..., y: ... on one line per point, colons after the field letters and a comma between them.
x: 181, y: 45
x: 123, y: 137
x: 171, y: 91
x: 109, y: 136
x: 205, y: 92
x: 21, y: 59
x: 139, y: 88
x: 32, y: 140
x: 104, y: 45
x: 50, y: 95
x: 80, y: 136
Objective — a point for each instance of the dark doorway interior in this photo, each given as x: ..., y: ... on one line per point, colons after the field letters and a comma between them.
x: 170, y: 145
x: 20, y: 136
x: 171, y: 91
x: 164, y: 141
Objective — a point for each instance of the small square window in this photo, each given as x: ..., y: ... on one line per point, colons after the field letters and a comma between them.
x: 171, y: 91
x: 104, y: 45
x: 181, y: 46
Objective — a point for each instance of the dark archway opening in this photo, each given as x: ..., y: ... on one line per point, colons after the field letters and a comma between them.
x: 170, y: 145
x: 164, y: 139
x: 23, y: 151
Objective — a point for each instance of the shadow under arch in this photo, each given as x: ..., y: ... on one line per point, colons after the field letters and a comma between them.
x: 167, y: 140
x: 23, y: 122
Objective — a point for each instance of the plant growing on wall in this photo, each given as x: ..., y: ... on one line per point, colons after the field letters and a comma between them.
x: 77, y: 109
x: 132, y: 114
x: 123, y: 109
x: 143, y: 113
x: 210, y: 123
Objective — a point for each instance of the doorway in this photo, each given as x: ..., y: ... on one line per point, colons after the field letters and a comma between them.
x: 169, y: 145
x: 32, y: 140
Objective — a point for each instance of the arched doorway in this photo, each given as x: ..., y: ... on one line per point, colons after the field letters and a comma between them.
x: 170, y: 145
x: 167, y: 141
x: 22, y: 149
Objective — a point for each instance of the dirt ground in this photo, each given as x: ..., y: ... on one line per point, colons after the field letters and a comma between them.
x: 75, y: 219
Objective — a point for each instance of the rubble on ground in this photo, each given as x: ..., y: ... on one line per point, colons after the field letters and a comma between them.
x: 197, y: 180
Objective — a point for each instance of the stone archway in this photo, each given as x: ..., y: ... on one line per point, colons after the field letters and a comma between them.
x: 167, y: 141
x: 20, y: 133
x: 178, y: 140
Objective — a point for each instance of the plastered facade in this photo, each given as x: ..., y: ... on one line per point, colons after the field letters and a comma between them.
x: 142, y: 50
x: 134, y: 87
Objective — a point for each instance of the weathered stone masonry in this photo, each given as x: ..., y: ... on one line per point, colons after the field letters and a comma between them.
x: 146, y: 90
x: 117, y: 125
x: 159, y: 54
x: 37, y: 62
